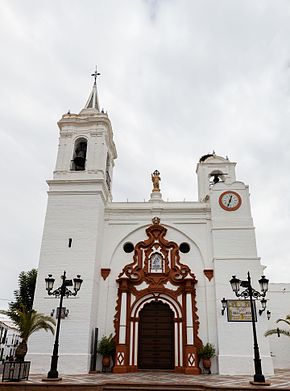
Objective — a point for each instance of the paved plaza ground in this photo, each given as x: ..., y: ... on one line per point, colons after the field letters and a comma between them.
x: 281, y: 380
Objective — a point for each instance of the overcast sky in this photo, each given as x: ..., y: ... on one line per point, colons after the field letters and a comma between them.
x: 179, y: 79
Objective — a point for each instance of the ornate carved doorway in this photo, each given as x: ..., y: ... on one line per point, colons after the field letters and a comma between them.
x: 156, y: 297
x: 156, y: 337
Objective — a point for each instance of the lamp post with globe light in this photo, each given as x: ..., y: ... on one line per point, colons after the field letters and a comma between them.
x: 60, y: 292
x: 252, y: 294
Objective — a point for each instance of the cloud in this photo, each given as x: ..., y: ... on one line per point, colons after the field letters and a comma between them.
x: 179, y: 79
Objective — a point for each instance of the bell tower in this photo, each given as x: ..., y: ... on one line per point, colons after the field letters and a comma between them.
x: 212, y: 169
x: 73, y: 230
x: 234, y: 251
x: 86, y: 149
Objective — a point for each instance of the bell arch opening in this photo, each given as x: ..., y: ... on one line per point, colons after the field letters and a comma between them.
x: 79, y: 155
x: 215, y: 177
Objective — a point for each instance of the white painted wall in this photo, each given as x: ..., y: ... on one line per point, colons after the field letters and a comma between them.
x: 80, y: 217
x: 279, y: 305
x: 79, y: 207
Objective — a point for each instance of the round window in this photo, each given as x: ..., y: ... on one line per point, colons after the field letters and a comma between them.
x: 128, y: 247
x: 184, y: 247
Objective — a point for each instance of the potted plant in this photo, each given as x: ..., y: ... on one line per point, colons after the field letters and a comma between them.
x: 106, y: 347
x: 205, y: 353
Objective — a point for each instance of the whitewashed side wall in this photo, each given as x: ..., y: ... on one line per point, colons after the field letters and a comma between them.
x: 279, y: 305
x: 80, y: 217
x: 235, y: 253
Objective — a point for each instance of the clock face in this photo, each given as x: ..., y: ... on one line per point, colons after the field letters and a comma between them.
x: 230, y: 200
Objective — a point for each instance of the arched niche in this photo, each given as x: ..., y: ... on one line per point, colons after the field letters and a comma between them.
x: 79, y: 155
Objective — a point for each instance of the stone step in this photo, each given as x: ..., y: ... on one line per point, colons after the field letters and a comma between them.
x: 24, y: 386
x: 151, y: 387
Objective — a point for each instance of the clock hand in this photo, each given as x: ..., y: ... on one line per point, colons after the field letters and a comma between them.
x: 229, y: 201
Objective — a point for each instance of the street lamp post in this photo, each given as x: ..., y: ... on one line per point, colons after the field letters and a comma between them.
x: 60, y: 292
x: 251, y: 293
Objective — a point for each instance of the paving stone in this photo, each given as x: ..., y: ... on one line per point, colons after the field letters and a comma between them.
x: 159, y: 381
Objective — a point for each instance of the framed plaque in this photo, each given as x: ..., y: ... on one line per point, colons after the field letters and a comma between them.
x: 240, y: 311
x: 156, y: 263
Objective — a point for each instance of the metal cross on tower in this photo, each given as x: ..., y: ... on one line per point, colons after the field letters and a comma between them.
x: 95, y: 74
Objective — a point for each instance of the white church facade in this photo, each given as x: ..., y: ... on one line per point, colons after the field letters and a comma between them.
x: 154, y: 273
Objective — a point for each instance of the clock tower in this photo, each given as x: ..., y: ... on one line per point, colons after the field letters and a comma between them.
x: 234, y: 251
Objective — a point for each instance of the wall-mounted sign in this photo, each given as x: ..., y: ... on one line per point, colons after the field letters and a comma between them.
x: 240, y: 311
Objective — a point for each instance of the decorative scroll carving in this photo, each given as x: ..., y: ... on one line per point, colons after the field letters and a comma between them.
x: 148, y: 251
x: 156, y: 261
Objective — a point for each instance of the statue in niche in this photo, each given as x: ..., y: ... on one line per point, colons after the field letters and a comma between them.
x: 156, y: 262
x: 155, y: 177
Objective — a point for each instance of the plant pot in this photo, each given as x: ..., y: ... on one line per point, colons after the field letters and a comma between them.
x: 106, y: 361
x: 206, y: 362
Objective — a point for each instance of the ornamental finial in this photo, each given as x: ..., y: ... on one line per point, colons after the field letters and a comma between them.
x: 156, y: 220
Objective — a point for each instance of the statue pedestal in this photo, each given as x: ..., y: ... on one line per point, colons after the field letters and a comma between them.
x: 156, y: 196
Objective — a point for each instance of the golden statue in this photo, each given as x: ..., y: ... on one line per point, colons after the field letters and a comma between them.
x: 155, y: 177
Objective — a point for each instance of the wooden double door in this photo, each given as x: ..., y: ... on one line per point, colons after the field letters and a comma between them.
x: 156, y: 337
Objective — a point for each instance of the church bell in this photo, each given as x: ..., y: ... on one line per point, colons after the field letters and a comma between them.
x: 80, y: 156
x: 79, y: 160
